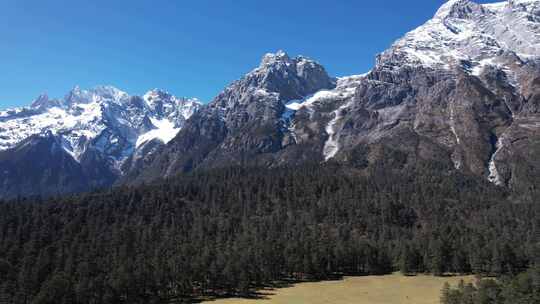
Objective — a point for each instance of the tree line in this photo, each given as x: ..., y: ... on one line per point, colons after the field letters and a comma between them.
x: 523, y: 288
x: 230, y: 231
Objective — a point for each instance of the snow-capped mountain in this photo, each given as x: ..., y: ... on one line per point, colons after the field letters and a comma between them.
x: 103, y: 124
x: 461, y: 91
x: 499, y: 44
x: 244, y: 124
x: 463, y: 32
x: 104, y: 118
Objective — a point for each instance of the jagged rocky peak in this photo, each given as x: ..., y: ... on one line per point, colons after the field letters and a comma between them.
x: 156, y: 94
x: 97, y: 94
x: 43, y: 102
x: 282, y: 62
x: 40, y: 101
x: 77, y: 95
x: 459, y: 9
x: 110, y: 92
x: 163, y: 103
x: 291, y: 78
x: 156, y: 98
x: 272, y: 59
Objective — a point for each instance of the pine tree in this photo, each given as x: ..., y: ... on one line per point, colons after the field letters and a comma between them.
x: 437, y: 259
x: 405, y: 261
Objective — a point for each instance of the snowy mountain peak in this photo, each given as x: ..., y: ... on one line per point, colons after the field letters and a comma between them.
x: 279, y: 77
x: 280, y: 65
x: 154, y: 95
x: 162, y: 103
x: 458, y: 9
x: 281, y: 59
x: 274, y: 58
x: 281, y: 53
x: 41, y: 100
x: 103, y: 119
x: 464, y: 31
x: 77, y: 95
x: 156, y: 91
x: 103, y: 93
x: 110, y: 92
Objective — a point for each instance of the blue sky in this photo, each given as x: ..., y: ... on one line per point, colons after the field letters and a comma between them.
x: 190, y: 48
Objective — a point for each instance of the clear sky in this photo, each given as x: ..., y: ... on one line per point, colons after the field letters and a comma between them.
x: 188, y: 47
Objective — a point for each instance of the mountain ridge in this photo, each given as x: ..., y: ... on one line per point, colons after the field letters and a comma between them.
x: 98, y: 129
x: 431, y: 96
x: 460, y: 90
x: 86, y: 106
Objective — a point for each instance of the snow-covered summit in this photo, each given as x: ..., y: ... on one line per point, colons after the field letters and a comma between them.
x: 104, y: 118
x: 270, y: 59
x: 40, y: 101
x: 105, y: 94
x: 463, y: 30
x: 165, y: 104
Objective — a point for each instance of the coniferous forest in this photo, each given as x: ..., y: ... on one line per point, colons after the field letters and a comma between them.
x: 523, y: 288
x: 229, y: 231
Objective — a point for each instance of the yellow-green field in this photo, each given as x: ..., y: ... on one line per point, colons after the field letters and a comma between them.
x: 390, y: 289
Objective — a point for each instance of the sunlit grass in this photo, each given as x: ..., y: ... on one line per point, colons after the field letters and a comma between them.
x: 389, y: 289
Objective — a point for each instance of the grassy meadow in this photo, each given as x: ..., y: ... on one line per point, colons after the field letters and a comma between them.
x: 389, y: 289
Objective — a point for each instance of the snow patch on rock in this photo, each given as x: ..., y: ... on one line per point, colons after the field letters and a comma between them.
x: 494, y: 176
x: 165, y: 131
x: 331, y: 146
x: 346, y: 87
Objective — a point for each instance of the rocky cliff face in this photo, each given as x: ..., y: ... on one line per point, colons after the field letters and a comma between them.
x: 461, y: 90
x: 461, y: 83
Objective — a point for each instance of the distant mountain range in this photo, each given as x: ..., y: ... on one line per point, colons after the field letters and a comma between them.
x: 85, y: 140
x: 461, y: 91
